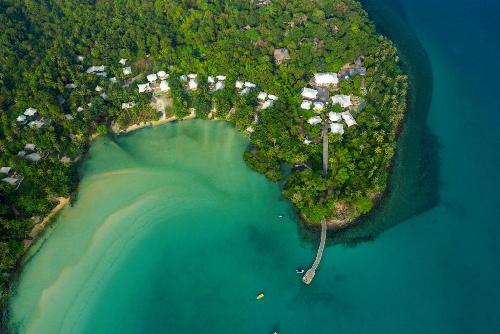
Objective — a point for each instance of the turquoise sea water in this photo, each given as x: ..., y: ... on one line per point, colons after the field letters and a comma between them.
x: 171, y: 233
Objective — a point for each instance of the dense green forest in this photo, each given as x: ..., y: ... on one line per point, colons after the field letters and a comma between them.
x: 48, y: 44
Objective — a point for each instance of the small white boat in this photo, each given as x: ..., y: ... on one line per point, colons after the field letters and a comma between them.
x: 299, y: 271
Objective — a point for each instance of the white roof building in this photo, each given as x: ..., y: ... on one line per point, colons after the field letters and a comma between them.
x: 162, y: 74
x: 123, y: 61
x: 164, y: 87
x: 262, y: 96
x: 272, y: 97
x: 192, y: 76
x: 69, y: 117
x: 21, y: 119
x: 98, y: 88
x: 334, y: 116
x: 70, y: 86
x: 104, y: 96
x: 93, y: 69
x: 11, y: 180
x: 267, y: 104
x: 79, y: 109
x: 211, y: 80
x: 307, y: 141
x: 343, y: 100
x: 152, y: 77
x: 143, y: 88
x: 244, y: 91
x: 21, y: 153
x: 239, y: 84
x: 37, y: 124
x: 33, y: 157
x: 221, y: 77
x: 183, y: 78
x: 30, y: 147
x: 337, y: 128
x: 80, y: 58
x: 113, y: 80
x: 250, y: 85
x: 5, y: 170
x: 128, y: 105
x: 314, y: 120
x: 326, y: 79
x: 127, y: 70
x: 192, y: 84
x: 309, y: 93
x: 318, y: 106
x: 30, y: 112
x: 348, y: 119
x: 102, y: 74
x: 219, y: 85
x: 306, y: 105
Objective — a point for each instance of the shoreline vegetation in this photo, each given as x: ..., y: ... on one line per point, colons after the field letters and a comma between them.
x: 52, y: 110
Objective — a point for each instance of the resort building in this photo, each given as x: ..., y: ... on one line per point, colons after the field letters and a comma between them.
x: 306, y: 105
x: 5, y: 170
x: 70, y: 86
x: 127, y: 70
x: 309, y: 93
x: 34, y: 157
x: 21, y: 119
x: 30, y: 112
x: 162, y: 74
x: 164, y: 87
x: 36, y: 124
x: 334, y: 116
x: 30, y: 147
x: 325, y: 79
x: 69, y: 117
x: 152, y: 77
x: 281, y: 55
x: 337, y: 128
x: 98, y: 89
x: 144, y: 88
x: 93, y: 69
x: 318, y: 106
x: 343, y: 100
x: 262, y: 96
x: 13, y: 181
x: 128, y: 105
x: 348, y: 119
x: 314, y: 120
x: 123, y: 61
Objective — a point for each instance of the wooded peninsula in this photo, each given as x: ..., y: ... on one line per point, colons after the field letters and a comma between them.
x: 318, y: 92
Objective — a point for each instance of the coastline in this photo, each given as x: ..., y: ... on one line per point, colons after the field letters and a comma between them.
x: 161, y: 121
x: 37, y: 229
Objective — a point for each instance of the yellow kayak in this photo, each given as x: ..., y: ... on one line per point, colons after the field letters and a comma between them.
x: 260, y: 296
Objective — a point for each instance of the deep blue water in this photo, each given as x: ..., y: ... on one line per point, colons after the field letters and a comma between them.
x: 443, y: 268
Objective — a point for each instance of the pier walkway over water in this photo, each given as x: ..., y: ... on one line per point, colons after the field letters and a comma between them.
x: 309, y: 276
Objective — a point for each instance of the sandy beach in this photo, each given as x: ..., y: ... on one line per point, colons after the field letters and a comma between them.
x: 161, y: 121
x: 38, y: 228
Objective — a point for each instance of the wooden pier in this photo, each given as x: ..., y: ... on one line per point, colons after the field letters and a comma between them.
x: 309, y: 276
